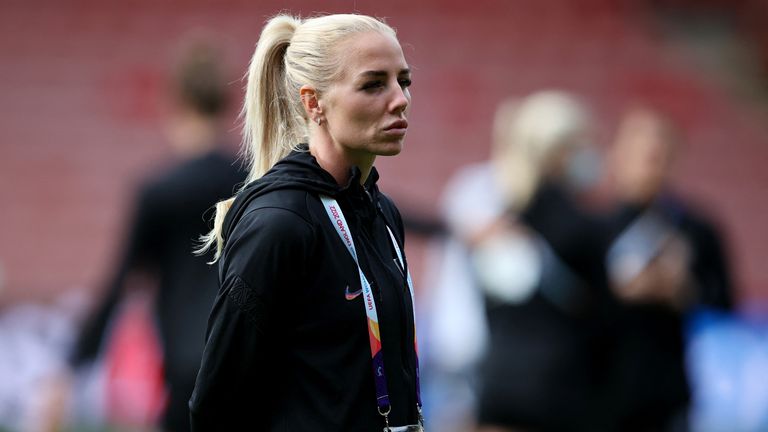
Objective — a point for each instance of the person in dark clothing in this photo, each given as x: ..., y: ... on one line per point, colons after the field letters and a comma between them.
x: 168, y: 219
x: 665, y: 259
x: 313, y: 325
x: 539, y: 265
x: 543, y: 370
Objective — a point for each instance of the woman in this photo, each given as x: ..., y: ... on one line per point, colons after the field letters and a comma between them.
x: 535, y: 256
x: 313, y: 325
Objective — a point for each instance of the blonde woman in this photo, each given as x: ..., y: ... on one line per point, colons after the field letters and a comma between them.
x: 535, y: 258
x: 313, y: 325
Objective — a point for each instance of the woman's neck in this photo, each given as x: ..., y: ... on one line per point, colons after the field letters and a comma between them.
x: 339, y: 162
x: 192, y: 135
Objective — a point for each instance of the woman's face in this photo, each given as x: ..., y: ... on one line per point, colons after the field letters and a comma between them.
x: 365, y: 109
x: 643, y: 155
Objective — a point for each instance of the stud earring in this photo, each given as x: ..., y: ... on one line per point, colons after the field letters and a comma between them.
x: 318, y: 120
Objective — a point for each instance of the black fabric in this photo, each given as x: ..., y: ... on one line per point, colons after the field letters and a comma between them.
x: 650, y: 386
x: 168, y: 221
x: 285, y: 350
x: 544, y: 367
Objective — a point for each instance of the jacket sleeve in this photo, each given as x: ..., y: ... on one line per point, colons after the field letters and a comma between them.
x: 240, y: 370
x: 138, y: 253
x: 711, y: 268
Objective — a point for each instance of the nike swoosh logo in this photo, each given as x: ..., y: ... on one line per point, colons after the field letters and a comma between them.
x: 352, y: 295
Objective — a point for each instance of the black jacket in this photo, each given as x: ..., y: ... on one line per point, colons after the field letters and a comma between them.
x: 285, y: 349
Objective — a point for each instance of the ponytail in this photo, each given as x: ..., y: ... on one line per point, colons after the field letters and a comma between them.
x: 270, y: 128
x: 269, y: 124
x: 214, y: 237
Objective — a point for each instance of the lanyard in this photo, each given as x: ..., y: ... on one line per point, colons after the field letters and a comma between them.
x: 382, y: 395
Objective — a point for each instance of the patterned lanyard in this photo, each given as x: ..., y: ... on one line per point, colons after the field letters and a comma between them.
x: 382, y: 395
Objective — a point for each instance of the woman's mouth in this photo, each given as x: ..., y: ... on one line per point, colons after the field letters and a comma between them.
x: 398, y: 127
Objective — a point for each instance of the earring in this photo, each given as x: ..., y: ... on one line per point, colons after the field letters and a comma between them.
x: 318, y: 120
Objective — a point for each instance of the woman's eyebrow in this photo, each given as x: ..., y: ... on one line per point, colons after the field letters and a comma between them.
x: 373, y: 74
x: 381, y: 73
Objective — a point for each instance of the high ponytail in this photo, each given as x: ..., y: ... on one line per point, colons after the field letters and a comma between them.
x: 271, y: 127
x: 266, y: 136
x: 290, y: 53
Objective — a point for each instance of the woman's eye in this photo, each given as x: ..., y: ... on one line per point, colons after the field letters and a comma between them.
x: 373, y: 85
x: 404, y: 82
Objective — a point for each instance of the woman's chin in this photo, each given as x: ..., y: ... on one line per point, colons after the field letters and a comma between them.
x: 389, y: 148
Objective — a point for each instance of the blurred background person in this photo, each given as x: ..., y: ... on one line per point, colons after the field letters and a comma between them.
x: 666, y: 259
x: 535, y: 256
x: 169, y: 217
x: 456, y: 332
x: 542, y: 276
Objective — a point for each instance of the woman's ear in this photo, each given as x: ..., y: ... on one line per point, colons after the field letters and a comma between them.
x: 309, y: 99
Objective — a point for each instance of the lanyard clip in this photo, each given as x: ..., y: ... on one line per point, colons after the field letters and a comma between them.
x: 385, y: 413
x: 421, y: 416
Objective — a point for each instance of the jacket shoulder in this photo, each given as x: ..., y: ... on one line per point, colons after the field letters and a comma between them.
x: 266, y: 238
x: 291, y: 200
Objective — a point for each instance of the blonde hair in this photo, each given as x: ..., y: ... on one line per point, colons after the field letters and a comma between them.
x: 527, y: 135
x: 290, y: 53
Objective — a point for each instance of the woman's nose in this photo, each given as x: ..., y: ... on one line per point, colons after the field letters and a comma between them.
x: 400, y: 99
